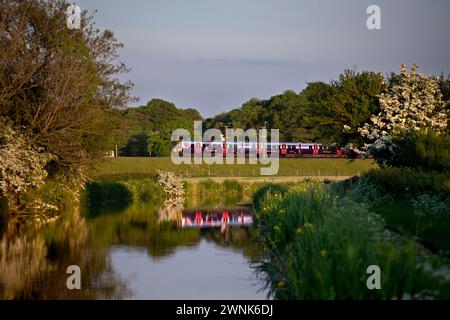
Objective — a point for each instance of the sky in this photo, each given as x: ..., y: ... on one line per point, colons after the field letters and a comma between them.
x: 214, y: 55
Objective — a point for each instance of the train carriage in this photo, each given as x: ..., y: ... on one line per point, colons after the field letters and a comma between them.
x: 281, y: 149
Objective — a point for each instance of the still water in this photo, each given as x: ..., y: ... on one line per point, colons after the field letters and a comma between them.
x: 134, y: 252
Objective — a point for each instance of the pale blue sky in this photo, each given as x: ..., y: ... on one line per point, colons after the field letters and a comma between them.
x: 214, y: 55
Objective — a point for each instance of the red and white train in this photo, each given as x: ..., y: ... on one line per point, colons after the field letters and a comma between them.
x: 283, y: 149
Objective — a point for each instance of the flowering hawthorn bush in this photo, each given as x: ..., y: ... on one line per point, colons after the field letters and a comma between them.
x: 413, y: 101
x: 22, y: 165
x: 384, y: 151
x: 412, y: 104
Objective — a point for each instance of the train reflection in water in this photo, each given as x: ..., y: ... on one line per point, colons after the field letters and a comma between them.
x: 215, y: 218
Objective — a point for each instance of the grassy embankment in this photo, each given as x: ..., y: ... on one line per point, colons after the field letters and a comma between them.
x: 321, y: 239
x: 126, y: 168
x: 413, y: 203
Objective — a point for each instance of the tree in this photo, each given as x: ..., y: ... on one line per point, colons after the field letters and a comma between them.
x: 56, y: 83
x: 412, y: 101
x: 136, y: 146
x: 335, y: 111
x: 160, y: 143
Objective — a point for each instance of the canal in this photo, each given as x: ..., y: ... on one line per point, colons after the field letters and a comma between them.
x: 134, y: 252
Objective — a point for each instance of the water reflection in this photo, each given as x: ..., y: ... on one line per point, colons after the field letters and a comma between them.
x: 33, y: 262
x: 222, y: 218
x: 117, y: 246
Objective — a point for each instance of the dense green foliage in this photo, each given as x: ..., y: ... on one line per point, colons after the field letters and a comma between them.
x: 140, y: 130
x: 404, y: 182
x: 55, y: 83
x: 318, y: 113
x: 415, y: 149
x: 97, y: 193
x: 320, y: 243
x: 124, y: 192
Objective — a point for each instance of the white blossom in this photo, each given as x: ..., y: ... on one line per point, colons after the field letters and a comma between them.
x: 415, y: 102
x: 22, y: 165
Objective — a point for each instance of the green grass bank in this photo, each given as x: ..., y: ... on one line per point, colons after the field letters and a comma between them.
x: 127, y: 168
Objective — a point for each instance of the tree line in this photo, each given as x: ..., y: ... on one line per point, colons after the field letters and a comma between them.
x: 329, y: 113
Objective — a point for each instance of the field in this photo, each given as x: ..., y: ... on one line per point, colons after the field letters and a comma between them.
x: 126, y: 168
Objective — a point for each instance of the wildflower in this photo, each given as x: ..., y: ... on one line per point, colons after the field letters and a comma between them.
x: 281, y: 284
x: 299, y: 231
x: 346, y: 128
x: 323, y: 253
x: 308, y: 225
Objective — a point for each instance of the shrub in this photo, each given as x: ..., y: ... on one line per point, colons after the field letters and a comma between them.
x: 22, y: 165
x: 414, y: 149
x: 50, y: 199
x: 402, y: 182
x: 361, y: 189
x: 97, y: 193
x: 266, y: 192
x: 122, y: 192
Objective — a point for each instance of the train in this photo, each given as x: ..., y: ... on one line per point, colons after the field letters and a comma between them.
x: 282, y: 149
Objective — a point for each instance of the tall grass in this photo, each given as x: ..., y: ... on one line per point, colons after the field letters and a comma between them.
x: 320, y: 244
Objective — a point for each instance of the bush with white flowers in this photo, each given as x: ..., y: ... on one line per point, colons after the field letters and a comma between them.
x: 384, y: 151
x: 22, y: 165
x: 412, y: 101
